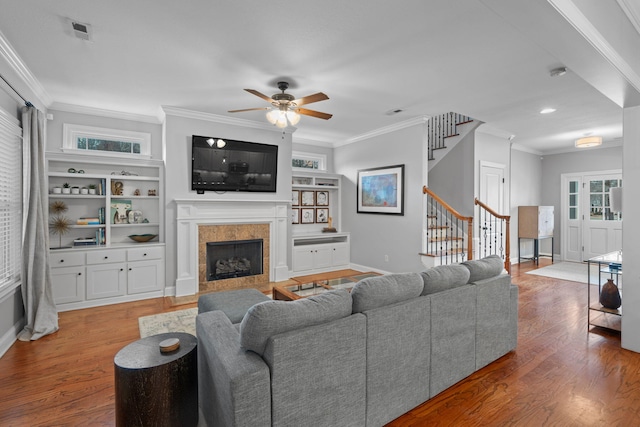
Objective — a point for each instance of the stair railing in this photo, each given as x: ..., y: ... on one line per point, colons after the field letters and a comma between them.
x: 446, y: 238
x: 441, y: 127
x: 493, y: 234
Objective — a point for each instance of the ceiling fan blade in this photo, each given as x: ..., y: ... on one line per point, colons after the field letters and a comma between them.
x: 248, y: 109
x: 311, y: 98
x: 313, y: 113
x: 260, y: 95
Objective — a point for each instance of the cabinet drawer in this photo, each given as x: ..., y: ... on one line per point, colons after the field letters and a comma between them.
x: 141, y: 254
x: 66, y: 259
x: 105, y: 257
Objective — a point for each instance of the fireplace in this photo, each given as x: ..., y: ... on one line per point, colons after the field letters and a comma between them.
x: 236, y: 258
x: 200, y: 221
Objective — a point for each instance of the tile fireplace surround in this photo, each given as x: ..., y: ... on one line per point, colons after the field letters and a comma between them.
x: 193, y: 217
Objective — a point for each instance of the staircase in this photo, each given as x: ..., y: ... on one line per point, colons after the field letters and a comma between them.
x: 443, y: 127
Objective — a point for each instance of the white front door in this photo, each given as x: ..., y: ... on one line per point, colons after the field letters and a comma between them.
x: 602, y: 228
x: 490, y: 237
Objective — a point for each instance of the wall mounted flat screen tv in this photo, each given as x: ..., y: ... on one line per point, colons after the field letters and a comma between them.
x: 220, y: 164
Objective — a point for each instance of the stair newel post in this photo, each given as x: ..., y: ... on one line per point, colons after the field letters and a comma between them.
x: 470, y: 239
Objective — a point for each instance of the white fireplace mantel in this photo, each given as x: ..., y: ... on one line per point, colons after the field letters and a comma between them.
x: 193, y: 212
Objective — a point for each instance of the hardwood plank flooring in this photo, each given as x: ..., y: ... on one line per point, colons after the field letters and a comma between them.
x: 560, y: 375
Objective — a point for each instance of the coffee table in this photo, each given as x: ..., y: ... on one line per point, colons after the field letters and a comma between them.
x: 316, y: 287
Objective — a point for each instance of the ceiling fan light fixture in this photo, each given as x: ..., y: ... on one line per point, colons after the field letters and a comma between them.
x: 293, y: 117
x: 272, y: 116
x: 588, y: 141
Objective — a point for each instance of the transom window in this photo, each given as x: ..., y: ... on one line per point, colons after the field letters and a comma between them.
x: 308, y: 161
x: 103, y: 141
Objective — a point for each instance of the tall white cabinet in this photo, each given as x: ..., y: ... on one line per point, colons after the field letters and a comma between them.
x: 117, y: 268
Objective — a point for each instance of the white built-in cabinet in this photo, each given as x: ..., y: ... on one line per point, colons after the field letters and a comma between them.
x: 120, y: 269
x: 314, y: 250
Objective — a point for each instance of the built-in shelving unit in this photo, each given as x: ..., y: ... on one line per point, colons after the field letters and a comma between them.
x: 315, y: 198
x: 95, y: 262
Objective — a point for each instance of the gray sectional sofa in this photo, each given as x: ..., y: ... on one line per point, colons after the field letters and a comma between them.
x: 355, y: 359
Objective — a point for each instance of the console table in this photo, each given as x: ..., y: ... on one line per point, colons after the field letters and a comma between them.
x: 597, y: 315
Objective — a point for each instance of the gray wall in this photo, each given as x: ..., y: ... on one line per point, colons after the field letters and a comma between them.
x: 178, y: 133
x: 11, y: 309
x: 54, y: 128
x: 526, y: 190
x: 553, y: 166
x: 452, y: 179
x: 372, y: 235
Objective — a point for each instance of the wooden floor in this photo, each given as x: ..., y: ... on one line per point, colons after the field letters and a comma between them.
x: 560, y: 375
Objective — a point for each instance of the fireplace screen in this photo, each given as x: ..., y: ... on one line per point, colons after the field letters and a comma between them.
x: 237, y: 258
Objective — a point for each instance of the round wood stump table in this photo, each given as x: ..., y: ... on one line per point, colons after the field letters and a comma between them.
x: 155, y: 388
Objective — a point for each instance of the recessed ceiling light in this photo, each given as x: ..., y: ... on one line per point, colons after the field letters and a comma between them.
x: 547, y: 110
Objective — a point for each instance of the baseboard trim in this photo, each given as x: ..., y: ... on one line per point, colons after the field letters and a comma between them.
x: 10, y: 337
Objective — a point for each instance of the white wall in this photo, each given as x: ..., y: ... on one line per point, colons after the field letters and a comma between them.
x: 631, y: 227
x: 372, y: 235
x: 178, y: 131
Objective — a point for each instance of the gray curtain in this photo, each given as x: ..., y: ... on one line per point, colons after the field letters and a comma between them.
x: 41, y: 315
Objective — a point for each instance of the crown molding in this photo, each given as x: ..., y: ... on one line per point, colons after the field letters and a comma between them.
x: 384, y: 130
x: 80, y: 109
x: 573, y: 15
x: 314, y: 142
x: 210, y: 117
x: 633, y: 13
x: 10, y: 56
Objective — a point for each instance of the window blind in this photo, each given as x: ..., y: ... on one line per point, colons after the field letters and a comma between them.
x: 10, y: 200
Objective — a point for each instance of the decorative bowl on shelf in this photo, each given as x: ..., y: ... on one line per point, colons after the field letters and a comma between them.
x: 142, y: 237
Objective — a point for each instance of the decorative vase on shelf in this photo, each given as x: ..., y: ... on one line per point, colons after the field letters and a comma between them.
x: 610, y: 295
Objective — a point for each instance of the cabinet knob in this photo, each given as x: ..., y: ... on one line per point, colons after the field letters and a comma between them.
x: 129, y: 268
x: 122, y: 269
x: 144, y: 254
x: 106, y: 257
x: 79, y: 274
x: 61, y: 260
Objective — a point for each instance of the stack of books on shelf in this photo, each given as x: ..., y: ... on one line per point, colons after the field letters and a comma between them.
x: 88, y: 220
x: 100, y: 239
x: 85, y: 241
x: 102, y: 186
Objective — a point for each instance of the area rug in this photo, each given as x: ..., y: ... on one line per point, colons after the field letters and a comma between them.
x: 173, y: 321
x: 573, y: 271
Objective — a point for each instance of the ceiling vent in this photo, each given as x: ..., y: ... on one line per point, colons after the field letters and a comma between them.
x: 394, y: 111
x: 82, y: 31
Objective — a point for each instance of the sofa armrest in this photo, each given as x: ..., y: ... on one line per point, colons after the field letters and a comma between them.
x: 233, y: 384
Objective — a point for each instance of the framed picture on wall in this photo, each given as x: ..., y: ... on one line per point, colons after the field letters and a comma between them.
x: 308, y: 198
x: 322, y: 198
x: 295, y: 198
x: 295, y: 216
x: 322, y: 215
x: 307, y: 215
x: 381, y: 190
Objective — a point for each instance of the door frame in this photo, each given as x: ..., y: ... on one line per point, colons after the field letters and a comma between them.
x: 564, y: 214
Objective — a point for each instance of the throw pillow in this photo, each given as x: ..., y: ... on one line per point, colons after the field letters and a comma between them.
x: 443, y: 277
x: 270, y: 318
x: 374, y: 292
x: 484, y: 268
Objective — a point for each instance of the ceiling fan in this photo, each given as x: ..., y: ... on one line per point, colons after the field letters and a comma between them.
x: 285, y: 108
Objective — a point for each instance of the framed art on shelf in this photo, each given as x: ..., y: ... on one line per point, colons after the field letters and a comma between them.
x: 381, y: 190
x: 295, y: 216
x: 307, y: 215
x: 308, y: 198
x: 322, y: 198
x: 322, y: 215
x: 295, y: 198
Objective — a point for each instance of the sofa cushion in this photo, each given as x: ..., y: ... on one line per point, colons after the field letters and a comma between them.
x: 269, y: 318
x: 443, y: 277
x: 232, y: 303
x: 484, y: 268
x: 374, y: 292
